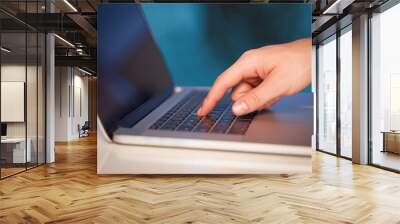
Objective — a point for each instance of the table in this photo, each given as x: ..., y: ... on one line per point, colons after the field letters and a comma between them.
x: 15, y: 148
x: 391, y: 141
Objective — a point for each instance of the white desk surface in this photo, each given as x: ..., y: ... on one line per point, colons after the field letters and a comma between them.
x: 13, y: 140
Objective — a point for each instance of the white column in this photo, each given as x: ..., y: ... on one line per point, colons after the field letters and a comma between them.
x: 50, y: 100
x: 360, y: 90
x: 50, y: 92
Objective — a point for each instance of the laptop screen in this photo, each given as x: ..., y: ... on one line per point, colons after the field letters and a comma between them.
x: 132, y: 76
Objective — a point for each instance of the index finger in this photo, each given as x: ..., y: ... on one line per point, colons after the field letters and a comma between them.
x: 228, y: 79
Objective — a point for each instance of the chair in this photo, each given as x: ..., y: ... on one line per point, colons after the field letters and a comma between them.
x: 84, y: 130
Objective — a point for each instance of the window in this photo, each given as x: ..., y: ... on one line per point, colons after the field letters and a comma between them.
x: 327, y: 95
x: 385, y: 89
x: 334, y: 138
x: 346, y: 92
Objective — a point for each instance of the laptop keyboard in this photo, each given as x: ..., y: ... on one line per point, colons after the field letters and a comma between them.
x: 182, y: 117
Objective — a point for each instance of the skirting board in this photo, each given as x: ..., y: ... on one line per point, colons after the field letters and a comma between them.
x: 113, y: 158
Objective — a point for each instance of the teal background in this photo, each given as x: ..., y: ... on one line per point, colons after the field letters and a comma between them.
x: 199, y: 41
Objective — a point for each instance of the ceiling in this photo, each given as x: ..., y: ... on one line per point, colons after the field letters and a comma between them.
x: 75, y: 22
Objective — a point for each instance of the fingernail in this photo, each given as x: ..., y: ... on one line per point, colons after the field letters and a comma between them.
x: 240, y: 108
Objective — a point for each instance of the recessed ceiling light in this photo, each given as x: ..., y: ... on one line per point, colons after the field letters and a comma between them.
x: 64, y: 40
x: 337, y: 7
x: 70, y: 5
x: 84, y: 71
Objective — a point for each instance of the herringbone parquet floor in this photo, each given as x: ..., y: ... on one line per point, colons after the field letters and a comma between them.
x: 70, y: 191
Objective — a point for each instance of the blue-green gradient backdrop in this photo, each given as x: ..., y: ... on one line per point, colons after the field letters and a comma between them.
x: 199, y: 41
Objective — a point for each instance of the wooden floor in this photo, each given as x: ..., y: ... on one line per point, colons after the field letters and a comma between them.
x: 387, y: 159
x: 70, y: 191
x: 5, y: 172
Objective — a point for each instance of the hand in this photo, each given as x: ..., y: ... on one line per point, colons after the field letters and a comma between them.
x: 261, y: 76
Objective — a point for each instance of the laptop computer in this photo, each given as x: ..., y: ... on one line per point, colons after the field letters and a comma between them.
x: 138, y: 103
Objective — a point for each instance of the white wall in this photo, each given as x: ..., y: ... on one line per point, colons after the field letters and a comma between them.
x: 12, y: 73
x: 71, y: 94
x: 62, y: 81
x: 15, y: 72
x: 80, y: 110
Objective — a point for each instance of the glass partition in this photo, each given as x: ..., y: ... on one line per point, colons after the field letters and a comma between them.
x: 13, y: 108
x: 22, y: 91
x: 327, y: 95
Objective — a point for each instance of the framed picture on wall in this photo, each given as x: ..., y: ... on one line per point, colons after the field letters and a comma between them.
x: 12, y: 101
